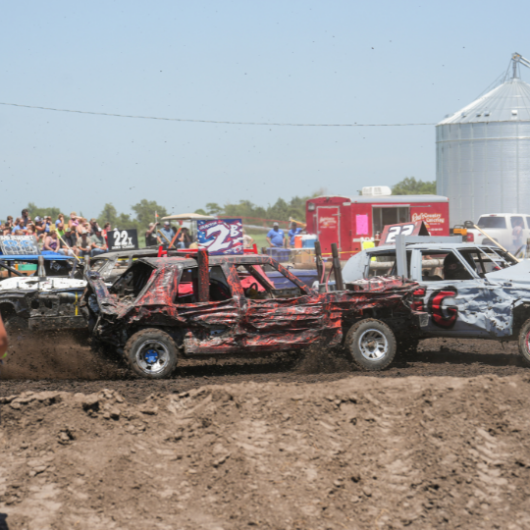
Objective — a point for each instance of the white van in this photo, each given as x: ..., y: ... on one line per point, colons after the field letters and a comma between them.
x: 511, y: 230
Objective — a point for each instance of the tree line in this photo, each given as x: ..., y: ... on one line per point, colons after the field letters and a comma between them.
x: 281, y: 210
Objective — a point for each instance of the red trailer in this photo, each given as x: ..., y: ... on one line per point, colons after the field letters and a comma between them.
x: 348, y: 221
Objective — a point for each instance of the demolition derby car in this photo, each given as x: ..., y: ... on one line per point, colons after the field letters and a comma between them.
x: 468, y: 290
x: 163, y: 308
x: 40, y: 292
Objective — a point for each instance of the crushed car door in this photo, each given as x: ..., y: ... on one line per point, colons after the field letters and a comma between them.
x: 213, y: 326
x: 278, y: 318
x: 455, y: 296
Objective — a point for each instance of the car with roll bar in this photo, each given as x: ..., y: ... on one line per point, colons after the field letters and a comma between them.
x: 41, y: 292
x: 197, y: 306
x: 469, y: 290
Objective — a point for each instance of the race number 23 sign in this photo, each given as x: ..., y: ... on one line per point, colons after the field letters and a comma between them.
x: 221, y: 236
x: 390, y: 232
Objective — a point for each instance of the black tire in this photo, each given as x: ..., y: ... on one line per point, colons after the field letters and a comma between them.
x: 372, y: 344
x: 524, y: 342
x: 151, y: 353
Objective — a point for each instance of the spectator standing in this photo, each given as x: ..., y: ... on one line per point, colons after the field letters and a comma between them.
x: 73, y: 223
x: 295, y: 230
x: 83, y: 245
x: 47, y: 224
x: 25, y: 218
x: 70, y: 241
x: 105, y: 233
x: 17, y: 229
x: 98, y: 245
x: 248, y: 241
x: 59, y: 225
x: 168, y: 232
x: 94, y: 227
x: 276, y: 237
x: 184, y: 239
x: 151, y: 239
x: 40, y: 228
x: 8, y: 226
x: 51, y: 241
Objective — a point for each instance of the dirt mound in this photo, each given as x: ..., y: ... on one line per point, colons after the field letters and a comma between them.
x: 361, y: 453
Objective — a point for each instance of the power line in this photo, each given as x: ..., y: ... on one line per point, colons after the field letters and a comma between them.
x: 269, y: 124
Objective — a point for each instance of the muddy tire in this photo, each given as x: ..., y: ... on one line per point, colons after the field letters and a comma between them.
x: 372, y: 344
x: 524, y: 342
x: 151, y: 353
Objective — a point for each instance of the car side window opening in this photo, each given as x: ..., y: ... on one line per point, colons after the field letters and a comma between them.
x: 384, y: 265
x: 258, y: 286
x: 439, y: 266
x: 133, y: 281
x: 188, y: 286
x: 492, y: 222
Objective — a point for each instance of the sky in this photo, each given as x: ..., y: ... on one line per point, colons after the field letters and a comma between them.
x: 334, y: 62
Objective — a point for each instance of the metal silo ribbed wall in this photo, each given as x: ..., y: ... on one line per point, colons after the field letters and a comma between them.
x: 483, y: 168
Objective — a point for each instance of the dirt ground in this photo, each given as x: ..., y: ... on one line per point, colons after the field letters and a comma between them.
x: 282, y: 443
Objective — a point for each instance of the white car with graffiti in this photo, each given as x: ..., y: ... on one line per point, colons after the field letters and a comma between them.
x: 469, y: 291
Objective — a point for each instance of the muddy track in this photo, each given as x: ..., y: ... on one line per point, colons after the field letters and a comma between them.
x: 73, y: 368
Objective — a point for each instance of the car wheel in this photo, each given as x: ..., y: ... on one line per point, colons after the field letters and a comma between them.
x: 524, y: 342
x: 372, y: 344
x: 151, y: 353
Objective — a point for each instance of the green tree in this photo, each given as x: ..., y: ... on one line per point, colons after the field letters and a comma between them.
x: 145, y: 212
x: 124, y: 222
x: 34, y: 210
x: 109, y: 214
x: 200, y: 211
x: 411, y: 186
x: 213, y: 208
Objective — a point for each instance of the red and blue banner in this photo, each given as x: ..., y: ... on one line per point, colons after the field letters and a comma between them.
x: 221, y: 236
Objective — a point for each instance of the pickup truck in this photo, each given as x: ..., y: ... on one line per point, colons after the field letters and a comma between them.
x: 162, y: 309
x: 468, y: 290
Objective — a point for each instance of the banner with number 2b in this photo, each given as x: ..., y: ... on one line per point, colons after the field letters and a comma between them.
x: 221, y: 236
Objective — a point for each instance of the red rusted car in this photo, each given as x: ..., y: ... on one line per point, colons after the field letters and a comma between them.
x: 163, y: 308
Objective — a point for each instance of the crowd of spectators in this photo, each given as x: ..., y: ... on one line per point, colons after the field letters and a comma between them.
x: 167, y: 236
x: 77, y: 236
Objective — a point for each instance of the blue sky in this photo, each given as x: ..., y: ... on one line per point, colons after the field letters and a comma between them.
x: 274, y: 61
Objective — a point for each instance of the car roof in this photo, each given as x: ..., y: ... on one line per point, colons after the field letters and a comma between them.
x: 184, y: 262
x: 504, y: 214
x: 35, y: 257
x: 431, y: 246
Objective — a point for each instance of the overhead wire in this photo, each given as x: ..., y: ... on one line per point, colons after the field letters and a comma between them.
x: 218, y: 122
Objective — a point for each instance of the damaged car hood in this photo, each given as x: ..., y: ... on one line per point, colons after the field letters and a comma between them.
x: 44, y: 284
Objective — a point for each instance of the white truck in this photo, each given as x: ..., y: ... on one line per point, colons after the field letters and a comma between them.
x: 511, y: 230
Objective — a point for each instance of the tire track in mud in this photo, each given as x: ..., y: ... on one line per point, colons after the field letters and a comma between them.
x: 60, y: 363
x: 341, y: 452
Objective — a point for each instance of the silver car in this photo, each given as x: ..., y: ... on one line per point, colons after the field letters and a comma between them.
x: 468, y: 290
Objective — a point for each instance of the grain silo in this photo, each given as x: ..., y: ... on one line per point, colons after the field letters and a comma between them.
x: 483, y: 152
